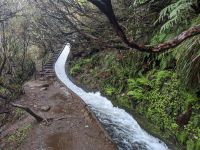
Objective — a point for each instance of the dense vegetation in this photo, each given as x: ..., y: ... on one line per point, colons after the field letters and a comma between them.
x: 162, y: 87
x: 15, y: 63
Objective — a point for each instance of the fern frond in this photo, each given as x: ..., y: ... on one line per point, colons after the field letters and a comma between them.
x: 138, y: 2
x: 175, y: 13
x: 188, y: 61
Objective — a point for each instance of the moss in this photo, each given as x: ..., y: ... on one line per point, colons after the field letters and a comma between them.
x: 157, y: 95
x: 164, y: 101
x: 124, y: 102
x: 75, y: 69
x: 19, y: 135
x: 109, y: 91
x: 182, y: 137
x: 18, y: 113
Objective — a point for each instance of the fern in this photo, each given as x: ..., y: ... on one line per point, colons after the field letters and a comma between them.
x: 176, y: 13
x: 138, y: 2
x: 188, y: 61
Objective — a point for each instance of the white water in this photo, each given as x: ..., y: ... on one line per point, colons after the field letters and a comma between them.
x: 121, y: 126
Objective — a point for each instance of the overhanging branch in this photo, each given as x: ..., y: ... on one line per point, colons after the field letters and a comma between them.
x: 105, y: 6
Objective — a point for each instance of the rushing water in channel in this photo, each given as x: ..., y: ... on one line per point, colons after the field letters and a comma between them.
x: 120, y: 125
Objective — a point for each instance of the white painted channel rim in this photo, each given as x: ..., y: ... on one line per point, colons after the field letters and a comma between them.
x: 121, y: 126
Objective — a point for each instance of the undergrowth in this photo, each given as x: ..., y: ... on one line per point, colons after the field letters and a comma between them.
x: 19, y: 135
x: 159, y: 87
x: 158, y: 94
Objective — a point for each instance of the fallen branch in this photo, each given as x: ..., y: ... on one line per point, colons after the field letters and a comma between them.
x: 28, y: 110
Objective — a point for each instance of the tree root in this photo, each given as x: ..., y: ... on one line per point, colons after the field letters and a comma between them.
x: 39, y: 118
x: 28, y: 110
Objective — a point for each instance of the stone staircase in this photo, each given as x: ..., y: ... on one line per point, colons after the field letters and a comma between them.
x: 48, y: 68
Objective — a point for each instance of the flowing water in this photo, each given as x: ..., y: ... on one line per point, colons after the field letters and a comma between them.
x: 121, y: 126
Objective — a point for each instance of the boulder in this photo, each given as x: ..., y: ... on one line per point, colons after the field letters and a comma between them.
x: 43, y: 89
x: 45, y: 108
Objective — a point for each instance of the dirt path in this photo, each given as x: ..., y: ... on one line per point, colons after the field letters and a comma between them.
x: 73, y: 128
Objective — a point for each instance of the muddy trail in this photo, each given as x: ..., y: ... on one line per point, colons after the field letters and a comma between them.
x: 73, y: 127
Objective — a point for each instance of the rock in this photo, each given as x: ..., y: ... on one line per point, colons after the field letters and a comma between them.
x: 63, y: 88
x: 65, y: 91
x: 45, y: 108
x: 43, y: 89
x: 45, y: 85
x: 41, y: 79
x: 36, y: 84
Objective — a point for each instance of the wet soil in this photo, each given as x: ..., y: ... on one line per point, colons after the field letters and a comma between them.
x: 72, y: 128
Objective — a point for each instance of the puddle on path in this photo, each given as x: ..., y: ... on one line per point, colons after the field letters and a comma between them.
x: 60, y: 141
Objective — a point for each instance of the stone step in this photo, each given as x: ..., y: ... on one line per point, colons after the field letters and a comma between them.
x: 48, y: 73
x: 48, y: 65
x: 50, y: 61
x: 48, y: 68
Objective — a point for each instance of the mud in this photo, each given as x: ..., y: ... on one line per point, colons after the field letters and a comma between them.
x: 77, y: 130
x: 57, y: 141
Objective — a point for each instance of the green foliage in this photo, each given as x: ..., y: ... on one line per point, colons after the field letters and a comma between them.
x: 182, y: 137
x: 162, y: 102
x: 19, y: 135
x: 159, y: 95
x: 158, y: 86
x: 175, y: 14
x: 184, y: 58
x: 195, y: 21
x: 160, y: 37
x: 123, y: 102
x: 188, y: 61
x: 197, y: 147
x: 109, y: 91
x: 137, y: 94
x: 136, y: 2
x: 167, y: 61
x: 136, y: 87
x: 161, y: 77
x: 75, y: 69
x: 18, y: 113
x: 190, y: 145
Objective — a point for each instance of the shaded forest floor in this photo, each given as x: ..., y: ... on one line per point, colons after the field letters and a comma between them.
x: 72, y: 127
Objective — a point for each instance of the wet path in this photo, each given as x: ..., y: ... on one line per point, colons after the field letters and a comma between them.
x: 73, y: 127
